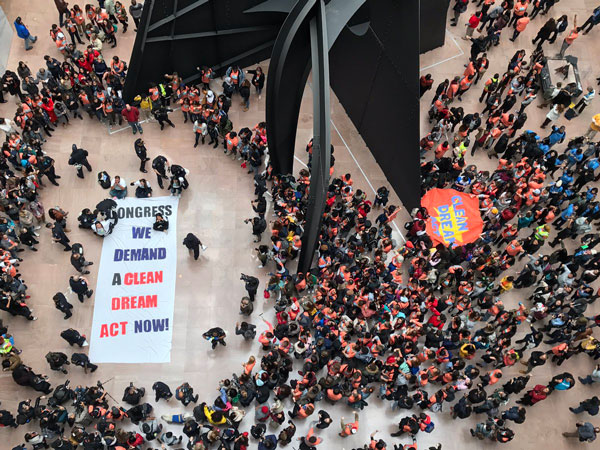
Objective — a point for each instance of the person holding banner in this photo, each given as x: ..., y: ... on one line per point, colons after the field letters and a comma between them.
x: 160, y: 224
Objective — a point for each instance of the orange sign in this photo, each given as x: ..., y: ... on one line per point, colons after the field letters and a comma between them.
x: 454, y: 217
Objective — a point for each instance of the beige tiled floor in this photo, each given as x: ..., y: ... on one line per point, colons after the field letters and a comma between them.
x: 208, y: 291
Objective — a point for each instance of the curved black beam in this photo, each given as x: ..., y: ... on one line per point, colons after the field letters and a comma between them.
x: 288, y: 71
x: 303, y: 43
x: 321, y: 158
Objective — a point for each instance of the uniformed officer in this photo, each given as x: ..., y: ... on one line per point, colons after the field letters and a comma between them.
x: 142, y: 153
x: 79, y: 285
x: 160, y: 165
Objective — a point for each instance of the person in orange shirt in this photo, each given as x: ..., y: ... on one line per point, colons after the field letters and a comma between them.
x: 441, y: 149
x: 520, y: 26
x: 574, y: 34
x: 349, y: 428
x: 465, y: 84
x: 311, y: 440
x: 514, y: 248
x: 519, y: 10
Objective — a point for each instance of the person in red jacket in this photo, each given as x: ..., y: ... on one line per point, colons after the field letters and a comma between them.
x: 132, y: 116
x: 472, y: 25
x: 535, y: 395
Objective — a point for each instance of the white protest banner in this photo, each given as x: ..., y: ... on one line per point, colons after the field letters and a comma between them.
x: 133, y: 306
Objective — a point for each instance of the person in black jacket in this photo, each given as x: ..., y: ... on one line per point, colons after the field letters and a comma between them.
x: 160, y: 165
x: 46, y: 167
x: 7, y: 419
x: 245, y: 94
x: 58, y: 235
x: 161, y: 224
x: 161, y: 390
x: 259, y: 225
x: 590, y: 406
x: 133, y: 395
x: 258, y: 80
x: 78, y: 159
x: 62, y: 304
x: 251, y: 285
x: 79, y: 285
x: 82, y: 360
x: 73, y: 337
x: 161, y: 115
x: 142, y: 153
x: 193, y: 244
x: 79, y: 263
x: 57, y: 360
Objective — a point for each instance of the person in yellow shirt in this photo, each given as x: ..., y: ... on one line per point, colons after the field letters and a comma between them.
x: 594, y: 127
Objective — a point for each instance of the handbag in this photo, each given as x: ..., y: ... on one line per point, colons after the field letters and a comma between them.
x: 267, y: 294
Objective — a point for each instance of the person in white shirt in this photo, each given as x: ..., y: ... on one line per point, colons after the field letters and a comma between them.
x: 142, y: 188
x: 586, y: 99
x: 8, y: 126
x: 118, y: 188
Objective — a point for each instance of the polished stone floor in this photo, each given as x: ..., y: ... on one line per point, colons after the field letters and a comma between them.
x: 208, y: 291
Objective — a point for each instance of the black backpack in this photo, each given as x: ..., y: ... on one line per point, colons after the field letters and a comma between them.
x: 104, y: 179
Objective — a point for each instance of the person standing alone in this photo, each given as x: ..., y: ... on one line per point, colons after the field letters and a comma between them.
x: 24, y: 33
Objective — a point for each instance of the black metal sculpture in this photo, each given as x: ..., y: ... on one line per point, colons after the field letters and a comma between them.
x: 306, y: 36
x: 372, y: 47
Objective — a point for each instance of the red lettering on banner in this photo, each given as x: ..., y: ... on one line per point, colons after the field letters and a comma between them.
x: 143, y: 277
x: 113, y: 329
x: 134, y: 302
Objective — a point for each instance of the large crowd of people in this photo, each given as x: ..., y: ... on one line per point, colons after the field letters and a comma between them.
x: 423, y: 327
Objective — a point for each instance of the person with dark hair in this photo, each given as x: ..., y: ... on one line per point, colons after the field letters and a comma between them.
x: 82, y: 360
x: 160, y: 223
x: 78, y: 159
x: 62, y: 304
x: 161, y: 115
x: 161, y: 390
x: 142, y: 153
x: 215, y: 336
x: 24, y: 33
x: 79, y: 285
x: 193, y: 244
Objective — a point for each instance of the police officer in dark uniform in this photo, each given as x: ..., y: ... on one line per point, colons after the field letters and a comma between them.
x: 142, y: 153
x: 58, y: 235
x: 46, y: 167
x: 78, y: 261
x: 78, y: 159
x: 82, y: 360
x: 62, y: 304
x: 160, y: 165
x: 79, y: 285
x: 161, y: 114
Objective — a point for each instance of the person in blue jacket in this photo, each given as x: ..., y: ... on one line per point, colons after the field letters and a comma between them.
x: 592, y: 21
x: 24, y: 33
